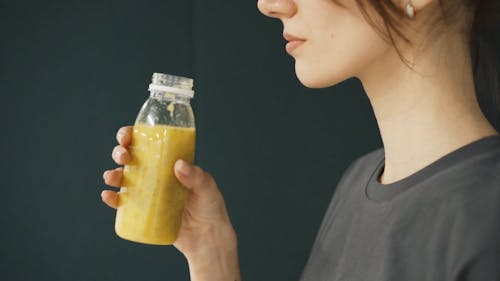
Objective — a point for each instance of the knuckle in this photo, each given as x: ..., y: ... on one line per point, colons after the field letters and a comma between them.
x: 117, y: 178
x: 199, y: 178
x: 208, y: 179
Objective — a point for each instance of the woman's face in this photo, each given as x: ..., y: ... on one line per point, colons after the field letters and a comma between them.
x: 330, y: 43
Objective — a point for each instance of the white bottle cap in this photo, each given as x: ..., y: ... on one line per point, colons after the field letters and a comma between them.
x: 172, y: 84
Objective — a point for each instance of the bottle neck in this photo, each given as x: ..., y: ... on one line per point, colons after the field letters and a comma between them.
x: 167, y: 96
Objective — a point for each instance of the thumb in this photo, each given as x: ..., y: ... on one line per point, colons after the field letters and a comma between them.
x: 195, y: 179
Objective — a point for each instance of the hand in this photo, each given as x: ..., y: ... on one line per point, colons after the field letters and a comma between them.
x: 206, y: 237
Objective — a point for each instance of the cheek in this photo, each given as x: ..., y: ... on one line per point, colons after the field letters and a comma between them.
x: 339, y: 55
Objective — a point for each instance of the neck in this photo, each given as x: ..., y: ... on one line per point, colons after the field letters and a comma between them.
x: 425, y: 113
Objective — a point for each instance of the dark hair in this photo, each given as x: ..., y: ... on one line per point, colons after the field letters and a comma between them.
x: 483, y: 21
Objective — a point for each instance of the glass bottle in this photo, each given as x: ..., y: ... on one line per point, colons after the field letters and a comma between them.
x: 151, y: 199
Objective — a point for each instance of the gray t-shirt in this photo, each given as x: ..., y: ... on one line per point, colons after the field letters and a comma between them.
x: 441, y: 223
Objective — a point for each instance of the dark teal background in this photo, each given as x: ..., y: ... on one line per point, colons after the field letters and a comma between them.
x: 73, y: 72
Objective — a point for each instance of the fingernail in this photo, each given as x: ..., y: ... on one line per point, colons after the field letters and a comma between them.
x: 182, y: 167
x: 104, y: 175
x: 120, y: 134
x: 118, y: 152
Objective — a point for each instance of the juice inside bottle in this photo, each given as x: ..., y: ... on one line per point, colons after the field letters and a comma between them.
x: 151, y: 199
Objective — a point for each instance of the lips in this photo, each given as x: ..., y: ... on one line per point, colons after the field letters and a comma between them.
x: 293, y: 42
x: 290, y: 37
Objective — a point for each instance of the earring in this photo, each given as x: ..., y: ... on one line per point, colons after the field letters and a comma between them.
x: 410, y: 11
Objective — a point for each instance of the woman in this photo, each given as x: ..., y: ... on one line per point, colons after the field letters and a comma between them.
x: 424, y: 207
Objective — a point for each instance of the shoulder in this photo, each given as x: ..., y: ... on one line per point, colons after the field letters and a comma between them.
x: 474, y: 211
x: 473, y: 205
x: 476, y: 183
x: 475, y: 201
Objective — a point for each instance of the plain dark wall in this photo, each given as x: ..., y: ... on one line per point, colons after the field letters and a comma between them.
x: 73, y: 72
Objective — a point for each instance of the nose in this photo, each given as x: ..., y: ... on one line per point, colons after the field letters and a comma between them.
x: 277, y: 8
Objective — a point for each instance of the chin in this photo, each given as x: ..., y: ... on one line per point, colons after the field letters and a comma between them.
x: 315, y: 79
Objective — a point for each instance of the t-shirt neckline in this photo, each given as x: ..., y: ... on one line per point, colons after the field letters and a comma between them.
x: 378, y: 192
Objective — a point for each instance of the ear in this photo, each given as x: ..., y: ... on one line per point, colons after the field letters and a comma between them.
x: 418, y: 5
x: 412, y: 7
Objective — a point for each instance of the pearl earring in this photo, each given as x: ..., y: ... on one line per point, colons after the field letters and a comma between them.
x: 410, y: 11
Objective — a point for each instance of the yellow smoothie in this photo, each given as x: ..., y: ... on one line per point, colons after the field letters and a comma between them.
x: 151, y: 200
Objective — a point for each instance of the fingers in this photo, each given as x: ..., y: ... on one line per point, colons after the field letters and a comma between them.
x: 110, y: 198
x: 113, y: 177
x: 120, y: 155
x: 124, y: 135
x: 195, y: 179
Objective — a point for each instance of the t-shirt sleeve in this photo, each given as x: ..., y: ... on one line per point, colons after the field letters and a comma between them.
x: 485, y: 266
